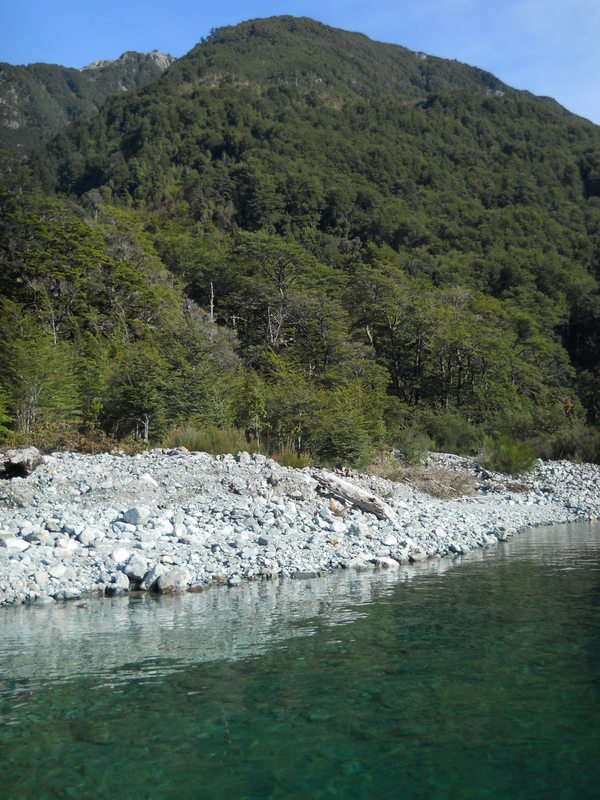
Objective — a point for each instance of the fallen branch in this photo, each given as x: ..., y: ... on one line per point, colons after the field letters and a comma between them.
x: 344, y: 490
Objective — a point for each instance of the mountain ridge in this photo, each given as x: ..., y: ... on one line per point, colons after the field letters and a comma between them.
x: 329, y: 243
x: 38, y: 100
x: 274, y: 38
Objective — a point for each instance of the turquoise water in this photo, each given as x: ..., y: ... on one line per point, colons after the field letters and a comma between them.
x: 467, y: 679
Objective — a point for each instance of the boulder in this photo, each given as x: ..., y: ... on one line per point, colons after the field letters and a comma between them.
x: 138, y: 515
x: 12, y: 543
x: 21, y: 463
x: 151, y: 577
x: 136, y: 568
x: 383, y: 562
x: 171, y: 581
x: 119, y: 584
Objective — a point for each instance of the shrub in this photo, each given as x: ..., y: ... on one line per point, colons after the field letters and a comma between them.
x: 288, y: 457
x: 578, y: 443
x: 504, y: 454
x: 338, y: 434
x: 413, y: 444
x: 451, y: 433
x: 4, y: 418
x: 208, y: 439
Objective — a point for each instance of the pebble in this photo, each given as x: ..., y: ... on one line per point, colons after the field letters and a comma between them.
x: 170, y: 521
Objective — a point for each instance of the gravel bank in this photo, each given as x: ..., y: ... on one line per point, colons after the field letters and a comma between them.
x: 174, y: 521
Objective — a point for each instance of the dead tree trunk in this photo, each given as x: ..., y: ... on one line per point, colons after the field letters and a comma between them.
x: 344, y: 490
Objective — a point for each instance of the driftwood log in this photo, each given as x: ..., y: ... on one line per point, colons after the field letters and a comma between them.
x: 344, y: 490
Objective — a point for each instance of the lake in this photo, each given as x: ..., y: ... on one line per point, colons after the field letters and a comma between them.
x: 472, y: 678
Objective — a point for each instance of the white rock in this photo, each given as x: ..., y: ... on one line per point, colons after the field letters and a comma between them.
x: 148, y: 479
x: 120, y: 555
x: 152, y: 576
x: 136, y: 567
x: 87, y: 536
x: 172, y: 580
x: 57, y: 570
x: 383, y: 562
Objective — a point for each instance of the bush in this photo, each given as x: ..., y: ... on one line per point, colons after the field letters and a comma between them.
x: 4, y: 418
x: 437, y: 482
x: 338, y: 432
x: 288, y: 457
x: 578, y: 443
x: 413, y: 444
x: 504, y: 454
x: 208, y: 439
x: 451, y: 433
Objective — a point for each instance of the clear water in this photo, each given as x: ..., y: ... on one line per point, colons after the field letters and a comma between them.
x: 467, y: 679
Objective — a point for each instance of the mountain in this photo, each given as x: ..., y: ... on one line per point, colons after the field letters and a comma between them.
x: 307, y: 54
x: 388, y: 245
x: 37, y: 100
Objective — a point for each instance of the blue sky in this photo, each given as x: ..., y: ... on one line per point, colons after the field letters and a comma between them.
x: 549, y: 47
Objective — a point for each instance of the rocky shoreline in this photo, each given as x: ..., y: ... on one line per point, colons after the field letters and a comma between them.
x: 172, y: 521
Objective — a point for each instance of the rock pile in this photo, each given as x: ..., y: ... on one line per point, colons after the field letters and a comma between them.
x: 171, y: 521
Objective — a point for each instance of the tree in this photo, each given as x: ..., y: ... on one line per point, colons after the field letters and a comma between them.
x: 4, y: 417
x: 40, y: 375
x: 136, y: 397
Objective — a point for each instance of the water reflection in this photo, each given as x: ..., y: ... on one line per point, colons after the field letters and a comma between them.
x: 141, y: 636
x: 474, y: 677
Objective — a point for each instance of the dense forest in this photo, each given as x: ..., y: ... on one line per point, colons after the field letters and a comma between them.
x: 321, y: 244
x: 37, y: 100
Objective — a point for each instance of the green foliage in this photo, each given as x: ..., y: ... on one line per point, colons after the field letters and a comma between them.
x: 42, y: 98
x: 4, y: 417
x: 339, y: 428
x: 451, y: 433
x: 208, y: 439
x: 135, y: 401
x: 325, y: 242
x: 41, y: 381
x: 504, y: 454
x: 412, y: 445
x: 576, y: 442
x: 288, y: 457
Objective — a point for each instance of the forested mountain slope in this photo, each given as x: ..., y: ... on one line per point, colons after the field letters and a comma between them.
x: 390, y: 241
x: 37, y: 100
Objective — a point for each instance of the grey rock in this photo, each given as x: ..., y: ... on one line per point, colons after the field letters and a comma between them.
x: 41, y: 536
x: 171, y: 581
x: 136, y: 568
x: 360, y: 564
x: 57, y: 570
x: 151, y: 577
x: 120, y: 555
x: 86, y: 537
x: 119, y: 584
x: 138, y: 515
x: 21, y: 463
